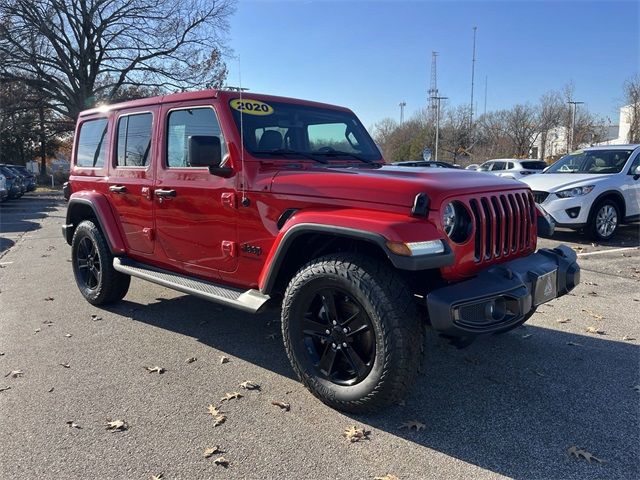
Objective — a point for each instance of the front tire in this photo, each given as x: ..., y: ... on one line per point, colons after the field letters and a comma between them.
x: 604, y: 220
x: 93, y: 269
x: 352, y: 332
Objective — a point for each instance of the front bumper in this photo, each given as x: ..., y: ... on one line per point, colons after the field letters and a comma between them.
x: 502, y: 295
x: 559, y: 209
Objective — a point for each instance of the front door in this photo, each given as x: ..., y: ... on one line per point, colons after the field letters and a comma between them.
x: 131, y: 178
x: 195, y: 211
x: 631, y: 188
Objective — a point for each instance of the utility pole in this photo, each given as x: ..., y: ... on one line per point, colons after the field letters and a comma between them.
x: 402, y: 105
x: 436, y: 101
x: 473, y: 72
x: 433, y: 86
x: 486, y: 81
x: 574, y: 104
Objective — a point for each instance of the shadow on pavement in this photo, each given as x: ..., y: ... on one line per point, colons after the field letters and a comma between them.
x: 511, y: 404
x: 626, y: 236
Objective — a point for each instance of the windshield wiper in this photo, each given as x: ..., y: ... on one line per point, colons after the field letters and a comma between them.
x: 287, y: 151
x: 337, y: 153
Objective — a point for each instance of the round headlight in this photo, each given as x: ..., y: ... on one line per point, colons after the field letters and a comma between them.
x: 456, y: 222
x: 449, y: 219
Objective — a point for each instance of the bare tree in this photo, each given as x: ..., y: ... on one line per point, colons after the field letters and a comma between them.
x: 78, y: 52
x: 632, y: 99
x: 552, y: 112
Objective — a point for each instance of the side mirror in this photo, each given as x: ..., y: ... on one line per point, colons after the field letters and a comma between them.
x: 637, y: 171
x: 206, y: 151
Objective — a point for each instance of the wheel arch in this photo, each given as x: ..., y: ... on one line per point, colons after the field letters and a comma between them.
x: 614, y: 195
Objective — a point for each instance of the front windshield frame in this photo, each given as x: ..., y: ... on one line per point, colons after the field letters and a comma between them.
x: 585, y: 162
x: 292, y: 121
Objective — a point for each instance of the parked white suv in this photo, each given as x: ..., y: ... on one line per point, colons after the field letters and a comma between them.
x: 512, y: 167
x: 597, y: 188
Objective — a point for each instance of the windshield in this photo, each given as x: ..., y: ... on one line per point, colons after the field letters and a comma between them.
x: 278, y: 128
x: 592, y: 161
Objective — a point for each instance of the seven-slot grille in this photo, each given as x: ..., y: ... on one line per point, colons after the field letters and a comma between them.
x: 540, y: 197
x: 503, y: 224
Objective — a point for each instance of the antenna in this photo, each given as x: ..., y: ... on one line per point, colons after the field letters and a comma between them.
x: 473, y: 72
x: 244, y: 200
x: 433, y: 87
x: 486, y: 80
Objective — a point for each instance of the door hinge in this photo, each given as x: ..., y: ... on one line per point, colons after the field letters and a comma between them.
x: 229, y: 248
x: 228, y: 199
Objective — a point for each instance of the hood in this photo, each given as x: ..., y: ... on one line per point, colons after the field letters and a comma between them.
x: 388, y: 185
x: 554, y: 182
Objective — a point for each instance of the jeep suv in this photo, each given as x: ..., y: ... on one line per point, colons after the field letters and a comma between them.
x: 264, y: 200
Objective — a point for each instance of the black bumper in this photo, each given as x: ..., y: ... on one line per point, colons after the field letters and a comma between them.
x: 502, y: 295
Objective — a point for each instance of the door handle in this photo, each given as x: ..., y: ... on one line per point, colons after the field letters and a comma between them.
x: 118, y: 189
x: 165, y: 193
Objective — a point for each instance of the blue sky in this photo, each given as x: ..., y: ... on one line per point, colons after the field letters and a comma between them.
x: 370, y: 55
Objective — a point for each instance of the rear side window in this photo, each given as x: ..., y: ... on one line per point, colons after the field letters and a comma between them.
x: 134, y: 140
x: 498, y: 166
x: 183, y: 124
x: 92, y: 143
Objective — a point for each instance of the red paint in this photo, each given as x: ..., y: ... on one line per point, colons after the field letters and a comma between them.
x: 199, y: 230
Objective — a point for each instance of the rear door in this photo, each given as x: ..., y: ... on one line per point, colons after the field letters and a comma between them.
x: 131, y: 179
x: 631, y: 188
x: 195, y: 211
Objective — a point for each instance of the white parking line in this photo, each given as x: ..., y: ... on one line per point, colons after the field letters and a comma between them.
x: 607, y: 251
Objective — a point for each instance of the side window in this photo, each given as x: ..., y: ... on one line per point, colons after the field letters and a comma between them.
x: 510, y: 166
x: 134, y: 140
x: 497, y: 166
x: 183, y: 124
x: 92, y: 143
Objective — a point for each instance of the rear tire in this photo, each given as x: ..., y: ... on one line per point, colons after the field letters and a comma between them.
x: 352, y: 332
x: 604, y: 220
x: 93, y: 269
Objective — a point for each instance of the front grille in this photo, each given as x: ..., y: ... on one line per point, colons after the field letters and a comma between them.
x: 540, y: 197
x: 503, y: 224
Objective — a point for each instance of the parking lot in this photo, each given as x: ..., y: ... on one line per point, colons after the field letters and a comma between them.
x: 507, y: 406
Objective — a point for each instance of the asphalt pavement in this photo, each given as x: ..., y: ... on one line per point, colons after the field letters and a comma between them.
x: 507, y: 406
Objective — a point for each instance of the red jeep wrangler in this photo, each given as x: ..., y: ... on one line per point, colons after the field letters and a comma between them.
x: 266, y: 200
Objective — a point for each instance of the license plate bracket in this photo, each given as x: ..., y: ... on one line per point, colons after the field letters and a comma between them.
x: 546, y: 288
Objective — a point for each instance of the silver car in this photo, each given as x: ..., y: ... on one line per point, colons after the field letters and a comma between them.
x: 512, y: 167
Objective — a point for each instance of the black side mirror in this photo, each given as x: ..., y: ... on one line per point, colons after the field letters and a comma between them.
x: 206, y: 151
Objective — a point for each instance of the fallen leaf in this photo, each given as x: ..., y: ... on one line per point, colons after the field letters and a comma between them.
x: 116, y: 425
x: 223, y: 462
x: 2, y: 389
x: 155, y: 369
x: 540, y: 374
x: 213, y: 411
x: 635, y: 387
x: 72, y: 424
x: 283, y: 405
x: 527, y: 335
x: 219, y: 420
x: 593, y: 284
x: 249, y: 385
x: 231, y: 396
x: 580, y: 453
x: 628, y: 339
x: 595, y: 330
x: 36, y: 330
x: 50, y: 390
x: 209, y: 452
x: 413, y: 424
x: 95, y: 317
x: 593, y: 294
x: 191, y: 360
x: 388, y: 476
x: 224, y: 360
x: 65, y: 365
x: 160, y: 476
x: 48, y: 323
x: 49, y: 299
x: 595, y: 315
x: 563, y: 320
x: 15, y: 374
x: 354, y: 434
x: 578, y: 249
x: 68, y: 335
x: 1, y: 354
x: 574, y: 344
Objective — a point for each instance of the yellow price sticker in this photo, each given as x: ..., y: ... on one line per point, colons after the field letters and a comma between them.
x: 251, y: 107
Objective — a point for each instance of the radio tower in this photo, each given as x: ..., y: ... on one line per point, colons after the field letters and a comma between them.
x: 433, y: 87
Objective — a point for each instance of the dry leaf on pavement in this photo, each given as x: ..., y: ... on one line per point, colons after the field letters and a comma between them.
x: 231, y: 396
x: 354, y: 434
x: 209, y: 452
x: 580, y: 453
x: 593, y: 314
x: 218, y: 417
x: 72, y: 424
x: 49, y: 299
x: 574, y: 344
x: 413, y: 424
x: 388, y: 476
x: 155, y: 369
x: 284, y: 405
x: 191, y: 360
x: 116, y: 425
x: 160, y: 476
x: 68, y: 335
x: 15, y: 374
x: 223, y: 462
x: 95, y: 317
x: 248, y: 385
x: 224, y: 360
x: 593, y: 284
x: 65, y: 365
x: 2, y: 389
x: 527, y: 335
x: 213, y: 410
x: 595, y: 330
x: 563, y: 320
x: 37, y: 330
x: 50, y: 390
x: 626, y: 338
x: 635, y: 387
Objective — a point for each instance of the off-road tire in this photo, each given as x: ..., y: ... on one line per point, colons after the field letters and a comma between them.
x: 398, y: 331
x: 592, y: 225
x: 112, y: 285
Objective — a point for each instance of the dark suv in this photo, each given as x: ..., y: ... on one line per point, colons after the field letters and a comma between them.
x: 266, y: 200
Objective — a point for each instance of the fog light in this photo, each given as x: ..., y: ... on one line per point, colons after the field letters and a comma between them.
x: 573, y: 212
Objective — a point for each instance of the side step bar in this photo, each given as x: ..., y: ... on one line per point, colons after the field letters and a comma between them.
x: 249, y: 301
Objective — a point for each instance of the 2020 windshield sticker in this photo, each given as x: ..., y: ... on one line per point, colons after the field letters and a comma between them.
x: 251, y: 107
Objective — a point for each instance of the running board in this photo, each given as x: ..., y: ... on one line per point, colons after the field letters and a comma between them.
x: 249, y: 301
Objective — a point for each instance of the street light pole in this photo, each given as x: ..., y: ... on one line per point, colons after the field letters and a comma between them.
x: 402, y: 105
x: 573, y: 123
x: 437, y: 99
